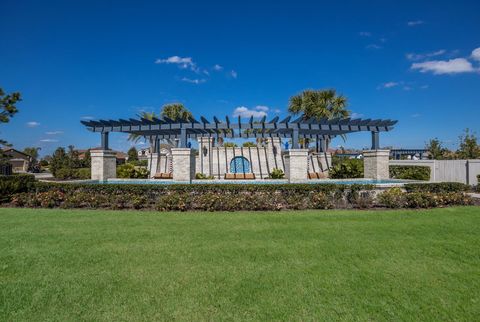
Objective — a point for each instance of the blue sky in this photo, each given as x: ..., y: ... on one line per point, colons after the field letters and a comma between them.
x: 413, y: 61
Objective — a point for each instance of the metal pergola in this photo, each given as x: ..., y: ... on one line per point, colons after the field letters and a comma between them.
x: 183, y: 129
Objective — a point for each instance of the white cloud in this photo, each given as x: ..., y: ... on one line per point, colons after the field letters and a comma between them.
x: 365, y: 33
x: 182, y: 62
x: 48, y: 140
x: 388, y: 85
x: 412, y: 56
x: 415, y: 115
x: 217, y: 67
x: 262, y: 108
x: 194, y: 81
x: 87, y: 117
x: 424, y: 86
x: 438, y: 67
x: 414, y: 23
x: 33, y: 124
x: 233, y: 74
x: 476, y: 54
x: 277, y: 110
x: 54, y: 132
x: 258, y: 111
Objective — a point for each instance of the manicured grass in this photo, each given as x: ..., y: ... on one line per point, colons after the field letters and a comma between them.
x: 309, y: 265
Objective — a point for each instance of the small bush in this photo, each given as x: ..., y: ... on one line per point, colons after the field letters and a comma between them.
x: 392, y: 198
x: 347, y: 169
x: 410, y: 172
x: 138, y: 163
x: 84, y: 173
x: 277, y: 174
x: 17, y: 183
x: 202, y: 176
x: 436, y: 187
x: 129, y: 171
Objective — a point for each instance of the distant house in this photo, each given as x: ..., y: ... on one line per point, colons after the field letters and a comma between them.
x: 20, y: 161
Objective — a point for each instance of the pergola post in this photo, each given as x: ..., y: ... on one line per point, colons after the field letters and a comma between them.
x: 295, y: 139
x: 104, y: 140
x: 375, y: 140
x: 103, y: 161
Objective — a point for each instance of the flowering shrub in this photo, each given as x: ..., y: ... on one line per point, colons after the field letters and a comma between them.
x: 392, y: 198
x: 228, y: 197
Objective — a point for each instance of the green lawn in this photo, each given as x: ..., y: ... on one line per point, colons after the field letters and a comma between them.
x: 307, y: 265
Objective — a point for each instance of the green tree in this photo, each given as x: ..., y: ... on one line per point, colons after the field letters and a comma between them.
x: 176, y: 111
x: 469, y: 148
x: 132, y: 154
x: 59, y: 161
x: 8, y: 108
x: 319, y: 104
x: 87, y: 159
x: 436, y: 149
x: 32, y: 151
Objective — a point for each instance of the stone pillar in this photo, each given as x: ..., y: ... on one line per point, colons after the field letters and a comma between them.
x: 296, y: 165
x: 152, y: 164
x: 204, y: 163
x: 375, y: 164
x: 104, y: 164
x: 183, y: 162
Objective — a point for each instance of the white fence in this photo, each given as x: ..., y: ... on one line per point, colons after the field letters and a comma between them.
x: 464, y: 171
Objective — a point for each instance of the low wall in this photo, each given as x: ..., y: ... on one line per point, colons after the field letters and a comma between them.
x: 464, y: 171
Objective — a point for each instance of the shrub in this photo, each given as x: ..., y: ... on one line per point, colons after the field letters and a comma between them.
x: 392, y: 198
x: 83, y: 173
x: 129, y: 171
x: 436, y: 187
x: 346, y: 169
x: 202, y: 176
x: 277, y: 174
x: 410, y: 172
x: 421, y: 200
x: 17, y: 183
x: 138, y: 163
x: 226, y: 197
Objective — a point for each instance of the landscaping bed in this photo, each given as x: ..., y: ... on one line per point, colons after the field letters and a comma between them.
x: 234, y: 197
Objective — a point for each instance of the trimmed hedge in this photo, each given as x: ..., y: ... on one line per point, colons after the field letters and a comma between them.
x: 231, y: 197
x: 226, y: 197
x: 410, y: 172
x: 396, y: 198
x: 16, y: 183
x: 437, y: 187
x: 353, y: 168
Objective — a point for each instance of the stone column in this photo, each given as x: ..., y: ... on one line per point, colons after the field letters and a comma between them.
x: 183, y: 162
x: 104, y: 164
x: 152, y: 164
x: 375, y: 164
x: 204, y: 163
x: 296, y: 165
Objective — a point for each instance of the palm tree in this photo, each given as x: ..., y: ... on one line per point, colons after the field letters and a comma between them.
x: 173, y: 111
x: 176, y: 111
x: 146, y: 115
x: 319, y: 104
